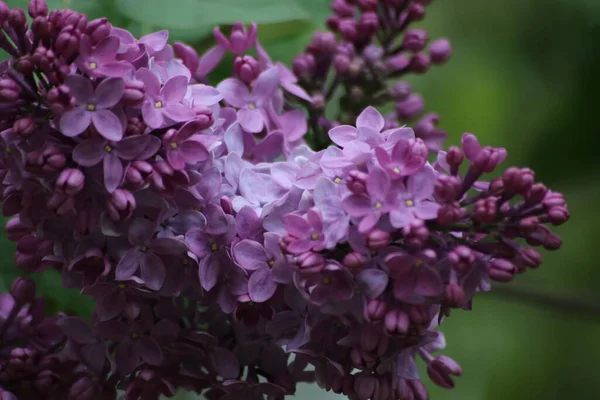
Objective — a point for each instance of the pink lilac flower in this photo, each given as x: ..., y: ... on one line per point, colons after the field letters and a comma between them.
x: 307, y: 233
x: 93, y: 106
x: 252, y: 106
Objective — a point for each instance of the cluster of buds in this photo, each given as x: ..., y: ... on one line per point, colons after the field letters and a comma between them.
x: 217, y: 244
x: 369, y: 46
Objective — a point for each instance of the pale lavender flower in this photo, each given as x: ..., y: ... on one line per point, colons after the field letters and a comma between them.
x: 414, y: 200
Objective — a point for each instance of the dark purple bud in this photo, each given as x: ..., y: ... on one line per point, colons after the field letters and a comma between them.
x: 558, y: 215
x: 488, y: 159
x: 441, y: 369
x: 553, y: 199
x: 342, y: 8
x: 501, y: 270
x: 409, y: 108
x: 227, y: 205
x: 397, y: 63
x: 378, y: 239
x: 454, y: 157
x: 537, y: 193
x: 61, y: 203
x: 341, y: 63
x: 348, y: 30
x: 496, y: 187
x: 461, y: 258
x: 135, y: 126
x: 375, y: 310
x: 120, y: 205
x: 87, y: 221
x: 304, y: 65
x: 361, y: 359
x: 451, y: 213
x: 44, y: 58
x: 310, y: 262
x: 418, y: 389
x: 318, y: 101
x: 367, y: 5
x: 415, y: 233
x: 246, y: 68
x: 419, y: 314
x: 15, y: 229
x: 21, y: 362
x: 332, y: 23
x: 419, y: 63
x: 60, y: 100
x: 531, y: 258
x: 37, y: 8
x: 518, y: 180
x: 440, y: 51
x: 365, y: 386
x: 71, y: 181
x: 447, y: 187
x: 24, y: 127
x: 354, y: 261
x: 23, y: 290
x: 18, y: 20
x: 396, y: 322
x: 400, y: 91
x: 134, y: 92
x: 415, y: 40
x: 67, y: 42
x: 137, y: 174
x: 552, y: 241
x: 4, y: 11
x: 98, y: 30
x: 373, y: 340
x: 357, y: 182
x: 529, y: 224
x: 46, y: 381
x: 368, y: 24
x: 9, y: 91
x: 25, y: 65
x: 486, y: 210
x: 416, y: 12
x: 323, y: 43
x: 454, y: 295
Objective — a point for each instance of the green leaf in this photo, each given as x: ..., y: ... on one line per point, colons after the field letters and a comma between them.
x: 198, y: 14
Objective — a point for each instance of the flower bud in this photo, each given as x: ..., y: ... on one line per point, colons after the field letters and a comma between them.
x: 440, y: 51
x: 134, y: 93
x: 531, y: 258
x: 375, y: 310
x: 71, y: 181
x: 441, y: 369
x: 18, y: 20
x: 24, y: 127
x: 486, y: 210
x: 37, y: 8
x: 501, y: 270
x: 537, y: 193
x: 137, y: 174
x: 98, y: 30
x: 67, y: 43
x: 416, y: 12
x: 368, y: 25
x: 323, y: 43
x: 357, y: 182
x: 365, y: 386
x: 342, y: 8
x: 461, y: 258
x: 419, y: 315
x: 59, y: 100
x: 61, y: 203
x: 450, y: 213
x: 396, y: 322
x: 348, y: 30
x: 46, y: 381
x: 310, y: 262
x: 22, y: 361
x: 447, y: 187
x: 415, y: 40
x: 304, y: 65
x: 15, y: 229
x: 23, y: 290
x: 120, y: 205
x: 419, y: 63
x: 409, y: 108
x: 454, y: 295
x: 226, y: 205
x: 518, y: 180
x: 9, y: 90
x: 397, y: 63
x: 488, y: 159
x: 378, y: 239
x: 415, y: 233
x: 400, y: 91
x: 553, y: 199
x: 246, y: 68
x: 354, y: 261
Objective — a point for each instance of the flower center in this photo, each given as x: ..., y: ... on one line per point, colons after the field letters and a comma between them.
x: 173, y: 145
x: 121, y: 286
x: 214, y: 247
x: 326, y: 281
x: 158, y: 104
x: 409, y: 203
x: 337, y: 179
x: 144, y: 249
x: 314, y: 236
x: 108, y: 148
x: 252, y: 106
x: 93, y: 65
x: 378, y: 205
x: 185, y: 261
x: 418, y: 263
x: 396, y: 170
x: 91, y: 107
x: 135, y: 335
x: 271, y: 262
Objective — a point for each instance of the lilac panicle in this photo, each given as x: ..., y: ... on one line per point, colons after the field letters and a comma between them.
x: 208, y: 232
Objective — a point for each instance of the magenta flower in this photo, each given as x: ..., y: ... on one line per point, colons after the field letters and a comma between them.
x: 252, y: 113
x: 307, y: 233
x: 93, y: 151
x: 414, y: 280
x: 162, y: 106
x: 101, y: 60
x: 415, y: 199
x: 92, y: 106
x: 145, y: 254
x: 379, y: 200
x: 181, y: 147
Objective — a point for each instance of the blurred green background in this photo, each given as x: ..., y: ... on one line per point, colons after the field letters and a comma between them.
x: 524, y: 75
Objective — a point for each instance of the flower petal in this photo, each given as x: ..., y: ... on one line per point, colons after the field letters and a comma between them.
x: 174, y: 90
x: 152, y: 271
x: 250, y: 255
x: 152, y: 116
x: 208, y: 271
x: 75, y: 121
x: 342, y: 134
x: 251, y: 119
x: 370, y: 118
x: 151, y: 82
x: 113, y: 172
x: 265, y: 85
x: 193, y: 151
x: 357, y: 205
x: 81, y: 88
x: 109, y: 92
x: 296, y: 226
x: 378, y: 184
x: 373, y: 282
x: 178, y: 112
x: 127, y: 265
x: 261, y: 286
x: 108, y: 125
x: 234, y: 92
x: 428, y: 283
x: 89, y: 152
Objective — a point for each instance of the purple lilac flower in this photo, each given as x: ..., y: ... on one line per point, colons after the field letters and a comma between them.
x: 307, y: 233
x: 100, y: 60
x: 415, y: 199
x: 181, y: 146
x: 93, y: 106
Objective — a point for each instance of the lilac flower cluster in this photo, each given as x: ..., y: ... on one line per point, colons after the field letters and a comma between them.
x: 368, y: 47
x: 37, y: 361
x: 224, y: 255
